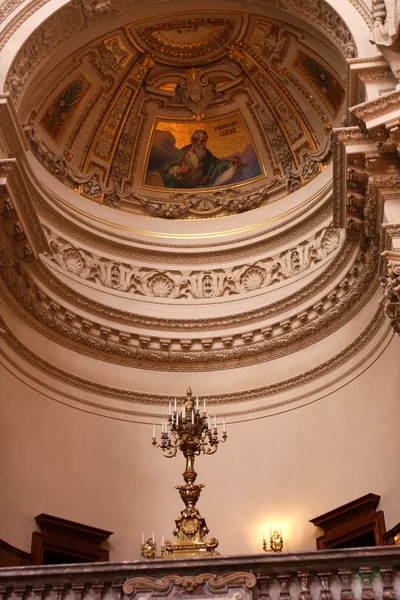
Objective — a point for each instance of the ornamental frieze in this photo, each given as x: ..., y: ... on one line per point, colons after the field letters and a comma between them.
x: 277, y: 339
x: 200, y: 284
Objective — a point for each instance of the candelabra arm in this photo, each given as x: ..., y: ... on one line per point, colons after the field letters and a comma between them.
x: 169, y: 453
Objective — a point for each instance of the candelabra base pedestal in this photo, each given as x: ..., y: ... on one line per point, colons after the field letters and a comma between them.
x: 177, y: 551
x: 190, y: 531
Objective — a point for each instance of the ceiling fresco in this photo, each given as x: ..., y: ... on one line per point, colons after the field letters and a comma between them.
x: 189, y: 115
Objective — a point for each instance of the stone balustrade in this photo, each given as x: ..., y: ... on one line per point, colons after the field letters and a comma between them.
x: 351, y: 574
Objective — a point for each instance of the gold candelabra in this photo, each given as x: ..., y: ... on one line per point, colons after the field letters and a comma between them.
x: 192, y: 433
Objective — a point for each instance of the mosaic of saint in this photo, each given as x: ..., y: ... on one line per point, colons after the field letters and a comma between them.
x: 206, y: 154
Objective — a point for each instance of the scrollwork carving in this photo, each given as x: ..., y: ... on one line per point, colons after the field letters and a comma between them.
x: 214, y: 582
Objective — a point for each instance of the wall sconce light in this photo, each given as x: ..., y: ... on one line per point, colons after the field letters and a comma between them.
x: 275, y: 539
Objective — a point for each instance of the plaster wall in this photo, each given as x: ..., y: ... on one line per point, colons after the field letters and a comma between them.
x: 288, y: 468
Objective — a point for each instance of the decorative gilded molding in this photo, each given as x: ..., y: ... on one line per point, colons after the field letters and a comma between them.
x: 212, y: 283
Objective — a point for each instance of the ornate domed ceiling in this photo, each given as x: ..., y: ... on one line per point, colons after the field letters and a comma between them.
x: 188, y: 114
x: 126, y: 132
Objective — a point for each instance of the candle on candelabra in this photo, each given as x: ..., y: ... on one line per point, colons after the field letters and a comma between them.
x: 177, y: 419
x: 162, y: 540
x: 183, y: 411
x: 175, y: 405
x: 142, y: 538
x: 215, y: 421
x: 270, y: 530
x: 208, y: 422
x: 204, y: 407
x: 154, y: 432
x: 192, y: 417
x: 170, y: 409
x: 223, y: 427
x: 152, y: 537
x: 197, y: 403
x: 263, y: 532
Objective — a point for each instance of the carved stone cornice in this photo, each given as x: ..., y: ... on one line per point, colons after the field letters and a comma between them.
x: 252, y: 248
x: 390, y: 231
x: 363, y: 170
x: 145, y: 399
x: 391, y: 288
x: 378, y: 107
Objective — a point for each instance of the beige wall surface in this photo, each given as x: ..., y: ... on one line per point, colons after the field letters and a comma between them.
x: 288, y: 468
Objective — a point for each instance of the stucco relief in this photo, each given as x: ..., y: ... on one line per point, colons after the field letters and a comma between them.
x: 54, y: 32
x: 391, y: 289
x: 276, y: 340
x: 181, y: 284
x: 327, y: 19
x: 386, y: 22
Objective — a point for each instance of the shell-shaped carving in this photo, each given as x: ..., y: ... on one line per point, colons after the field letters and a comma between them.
x: 253, y: 279
x: 73, y: 262
x: 331, y: 240
x: 160, y: 286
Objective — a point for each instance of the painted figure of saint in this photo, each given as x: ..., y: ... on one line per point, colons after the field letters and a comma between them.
x: 194, y: 166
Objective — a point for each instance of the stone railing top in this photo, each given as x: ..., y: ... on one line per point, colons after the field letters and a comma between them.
x: 319, y: 561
